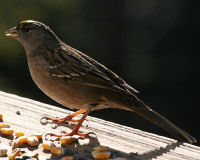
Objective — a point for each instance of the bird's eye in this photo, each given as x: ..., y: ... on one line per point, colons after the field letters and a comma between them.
x: 26, y: 29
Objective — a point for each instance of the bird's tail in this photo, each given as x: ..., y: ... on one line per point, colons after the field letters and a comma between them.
x: 147, y: 113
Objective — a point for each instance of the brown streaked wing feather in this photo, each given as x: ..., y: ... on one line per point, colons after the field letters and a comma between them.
x: 112, y: 76
x: 90, y: 73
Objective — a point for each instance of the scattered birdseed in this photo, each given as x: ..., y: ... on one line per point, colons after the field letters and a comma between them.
x: 101, y: 148
x: 101, y: 155
x: 66, y: 140
x: 18, y: 113
x: 56, y: 150
x: 67, y: 158
x: 38, y: 135
x: 47, y: 145
x: 32, y: 141
x: 16, y: 152
x: 1, y: 116
x: 3, y: 150
x: 4, y: 125
x: 15, y: 144
x: 7, y: 131
x: 22, y: 139
x: 19, y: 134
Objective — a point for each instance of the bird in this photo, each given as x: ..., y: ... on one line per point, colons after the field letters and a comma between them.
x: 77, y: 81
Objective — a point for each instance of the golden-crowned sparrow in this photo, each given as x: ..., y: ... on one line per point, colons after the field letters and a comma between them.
x: 77, y: 81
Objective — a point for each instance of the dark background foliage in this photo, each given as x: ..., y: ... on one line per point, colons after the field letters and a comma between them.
x: 152, y: 44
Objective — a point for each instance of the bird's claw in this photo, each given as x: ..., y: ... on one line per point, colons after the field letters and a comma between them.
x: 64, y: 133
x: 43, y: 120
x: 46, y: 120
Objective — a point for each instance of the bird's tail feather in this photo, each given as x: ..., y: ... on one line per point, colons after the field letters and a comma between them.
x: 162, y: 122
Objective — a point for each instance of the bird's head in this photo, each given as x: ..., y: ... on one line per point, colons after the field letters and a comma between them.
x: 32, y: 34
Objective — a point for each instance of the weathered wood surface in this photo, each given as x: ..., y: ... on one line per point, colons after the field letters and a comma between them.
x: 122, y: 141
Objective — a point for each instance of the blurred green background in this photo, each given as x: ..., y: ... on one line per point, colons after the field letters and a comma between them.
x: 152, y: 44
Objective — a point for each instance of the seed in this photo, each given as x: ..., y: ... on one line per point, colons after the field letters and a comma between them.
x: 18, y: 112
x: 3, y: 151
x: 66, y: 140
x: 14, y: 153
x: 46, y: 145
x: 67, y: 158
x: 19, y: 134
x: 101, y: 155
x: 15, y: 144
x: 1, y: 116
x: 32, y: 141
x: 4, y: 125
x: 38, y: 135
x: 7, y: 131
x: 101, y: 148
x: 35, y: 155
x: 56, y: 150
x: 22, y: 139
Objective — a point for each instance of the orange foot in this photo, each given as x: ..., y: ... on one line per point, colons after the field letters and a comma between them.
x: 83, y: 135
x: 69, y: 118
x: 75, y: 130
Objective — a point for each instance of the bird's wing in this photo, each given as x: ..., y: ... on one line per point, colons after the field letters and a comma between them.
x: 108, y: 73
x: 69, y: 65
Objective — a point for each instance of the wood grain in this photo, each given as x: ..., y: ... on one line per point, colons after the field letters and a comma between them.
x: 122, y: 141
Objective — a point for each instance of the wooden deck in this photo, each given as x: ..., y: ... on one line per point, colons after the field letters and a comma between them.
x: 122, y: 141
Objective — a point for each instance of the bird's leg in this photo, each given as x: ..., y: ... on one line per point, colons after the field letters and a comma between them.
x: 75, y: 130
x: 65, y: 119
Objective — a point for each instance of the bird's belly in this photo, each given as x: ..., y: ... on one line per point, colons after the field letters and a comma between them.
x: 69, y: 94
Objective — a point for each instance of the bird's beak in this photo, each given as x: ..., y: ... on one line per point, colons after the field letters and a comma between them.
x: 13, y: 33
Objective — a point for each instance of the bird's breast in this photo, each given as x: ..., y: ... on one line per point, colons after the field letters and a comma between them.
x: 68, y: 93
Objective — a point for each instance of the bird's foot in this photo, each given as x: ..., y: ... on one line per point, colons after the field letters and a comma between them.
x: 75, y: 131
x: 64, y: 133
x: 69, y: 118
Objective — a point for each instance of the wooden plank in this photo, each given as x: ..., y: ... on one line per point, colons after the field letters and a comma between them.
x: 122, y: 141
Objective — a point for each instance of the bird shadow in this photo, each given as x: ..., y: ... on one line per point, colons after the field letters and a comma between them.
x: 82, y: 151
x: 153, y: 154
